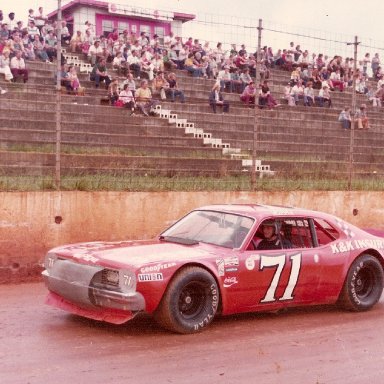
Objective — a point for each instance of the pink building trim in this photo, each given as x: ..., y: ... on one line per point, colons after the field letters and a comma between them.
x: 150, y: 21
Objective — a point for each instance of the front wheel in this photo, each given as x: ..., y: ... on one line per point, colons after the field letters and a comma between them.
x: 190, y: 301
x: 363, y: 285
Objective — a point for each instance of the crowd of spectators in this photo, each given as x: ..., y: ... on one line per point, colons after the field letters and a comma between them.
x: 313, y: 77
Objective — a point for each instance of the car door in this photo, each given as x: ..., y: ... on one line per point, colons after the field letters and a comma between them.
x: 276, y: 278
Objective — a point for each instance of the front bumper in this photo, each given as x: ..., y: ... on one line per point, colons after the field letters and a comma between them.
x: 78, y: 284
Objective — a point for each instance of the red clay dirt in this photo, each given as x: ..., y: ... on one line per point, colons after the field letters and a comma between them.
x: 319, y: 345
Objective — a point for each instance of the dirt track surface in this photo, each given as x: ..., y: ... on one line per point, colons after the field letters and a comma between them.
x: 40, y: 344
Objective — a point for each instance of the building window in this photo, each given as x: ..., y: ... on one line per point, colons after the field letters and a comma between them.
x: 122, y: 26
x: 159, y: 31
x: 107, y: 27
x: 146, y: 29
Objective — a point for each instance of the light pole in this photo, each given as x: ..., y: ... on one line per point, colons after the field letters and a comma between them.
x: 352, y: 135
x: 256, y: 115
x: 58, y: 101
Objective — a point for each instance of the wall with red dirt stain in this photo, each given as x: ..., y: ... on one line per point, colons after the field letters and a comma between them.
x: 33, y: 222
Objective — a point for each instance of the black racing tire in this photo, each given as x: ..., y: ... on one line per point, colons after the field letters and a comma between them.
x: 363, y: 285
x: 190, y: 301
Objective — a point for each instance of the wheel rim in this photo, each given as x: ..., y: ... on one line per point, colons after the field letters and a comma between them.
x: 364, y: 283
x: 192, y: 299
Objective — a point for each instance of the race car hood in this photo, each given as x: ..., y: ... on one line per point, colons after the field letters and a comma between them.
x: 131, y: 253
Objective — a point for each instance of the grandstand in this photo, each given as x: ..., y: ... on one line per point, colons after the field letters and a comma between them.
x: 182, y: 140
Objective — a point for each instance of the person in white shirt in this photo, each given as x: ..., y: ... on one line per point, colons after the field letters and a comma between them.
x: 324, y: 96
x: 4, y: 66
x: 297, y: 91
x: 336, y: 81
x: 309, y: 95
x: 18, y: 67
x: 95, y: 52
x: 40, y: 19
x: 224, y: 79
x: 127, y: 98
x: 11, y: 21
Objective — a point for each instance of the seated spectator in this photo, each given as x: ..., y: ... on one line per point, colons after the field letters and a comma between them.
x: 113, y: 91
x: 191, y: 66
x: 144, y: 99
x: 159, y: 85
x: 173, y: 61
x: 39, y: 49
x: 336, y: 80
x: 65, y: 35
x: 5, y: 66
x: 17, y: 45
x: 130, y: 81
x: 28, y: 53
x: 378, y: 97
x: 51, y: 46
x: 265, y: 97
x: 119, y: 64
x: 173, y: 90
x: 309, y: 95
x: 146, y: 65
x: 297, y: 92
x: 345, y: 118
x: 18, y: 67
x: 248, y: 96
x: 288, y: 94
x: 88, y: 41
x: 216, y: 99
x: 324, y: 96
x: 99, y: 74
x: 237, y: 84
x: 264, y: 71
x: 245, y: 78
x: 213, y: 68
x: 127, y: 98
x: 64, y: 78
x: 32, y: 31
x: 225, y: 80
x: 362, y: 118
x: 134, y: 63
x: 295, y: 75
x: 4, y: 32
x: 74, y: 80
x: 158, y: 63
x: 95, y: 52
x: 76, y: 42
x: 361, y: 85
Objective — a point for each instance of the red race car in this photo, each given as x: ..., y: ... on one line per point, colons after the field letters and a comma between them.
x: 220, y: 259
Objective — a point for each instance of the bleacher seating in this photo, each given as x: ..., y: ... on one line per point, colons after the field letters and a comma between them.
x: 186, y: 139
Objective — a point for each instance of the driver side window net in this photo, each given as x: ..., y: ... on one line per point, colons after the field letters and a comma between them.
x: 298, y: 232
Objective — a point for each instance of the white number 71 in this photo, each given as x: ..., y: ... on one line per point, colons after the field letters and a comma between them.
x: 279, y: 262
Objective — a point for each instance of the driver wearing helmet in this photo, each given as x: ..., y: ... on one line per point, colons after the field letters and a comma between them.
x: 272, y: 237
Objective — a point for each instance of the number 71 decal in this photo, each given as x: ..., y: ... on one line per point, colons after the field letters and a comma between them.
x: 279, y: 262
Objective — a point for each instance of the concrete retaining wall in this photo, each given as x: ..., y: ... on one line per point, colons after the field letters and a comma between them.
x: 33, y: 222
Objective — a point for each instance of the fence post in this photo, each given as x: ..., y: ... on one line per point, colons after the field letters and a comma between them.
x: 256, y: 114
x: 353, y: 120
x: 58, y: 101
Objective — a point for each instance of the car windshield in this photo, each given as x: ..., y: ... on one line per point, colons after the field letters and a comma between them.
x: 218, y: 228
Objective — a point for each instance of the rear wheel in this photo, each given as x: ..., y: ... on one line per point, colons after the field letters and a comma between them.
x: 363, y: 285
x: 190, y: 301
